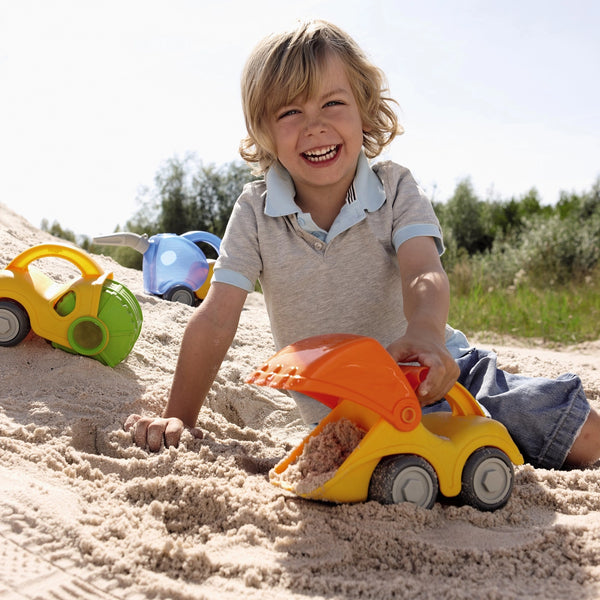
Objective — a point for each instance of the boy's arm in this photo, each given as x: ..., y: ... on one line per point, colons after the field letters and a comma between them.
x: 205, y: 342
x: 426, y: 298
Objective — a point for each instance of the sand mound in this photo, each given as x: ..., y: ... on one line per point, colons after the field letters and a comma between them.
x: 85, y: 514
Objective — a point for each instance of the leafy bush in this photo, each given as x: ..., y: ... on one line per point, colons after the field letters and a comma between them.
x: 541, y: 276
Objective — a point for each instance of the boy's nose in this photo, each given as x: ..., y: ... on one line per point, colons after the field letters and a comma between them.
x: 314, y: 125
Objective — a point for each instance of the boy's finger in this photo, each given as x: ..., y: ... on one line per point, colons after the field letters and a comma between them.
x: 139, y: 432
x: 154, y: 434
x: 173, y: 430
x: 131, y: 421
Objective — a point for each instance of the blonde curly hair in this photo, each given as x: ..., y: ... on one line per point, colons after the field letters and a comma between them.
x: 286, y: 65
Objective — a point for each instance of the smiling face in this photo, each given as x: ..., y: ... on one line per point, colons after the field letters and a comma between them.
x: 318, y: 138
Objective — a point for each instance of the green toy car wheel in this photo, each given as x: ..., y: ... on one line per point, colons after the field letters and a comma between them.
x: 14, y: 323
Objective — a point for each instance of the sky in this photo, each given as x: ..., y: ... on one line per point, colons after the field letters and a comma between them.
x: 95, y: 96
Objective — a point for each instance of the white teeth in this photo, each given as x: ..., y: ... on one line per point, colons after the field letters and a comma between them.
x: 321, y: 155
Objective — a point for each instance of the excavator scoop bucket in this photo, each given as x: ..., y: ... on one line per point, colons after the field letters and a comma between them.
x: 335, y: 367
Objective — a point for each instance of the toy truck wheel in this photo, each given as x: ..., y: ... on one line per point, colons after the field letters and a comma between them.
x: 180, y: 293
x: 14, y: 323
x: 487, y: 479
x: 404, y: 478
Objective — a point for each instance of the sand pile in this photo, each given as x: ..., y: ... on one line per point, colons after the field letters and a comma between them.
x: 85, y: 514
x: 322, y: 455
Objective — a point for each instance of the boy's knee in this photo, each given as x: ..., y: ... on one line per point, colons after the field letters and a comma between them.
x: 586, y: 448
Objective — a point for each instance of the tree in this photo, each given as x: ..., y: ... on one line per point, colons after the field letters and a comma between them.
x: 171, y: 185
x: 56, y: 230
x: 467, y: 219
x: 188, y: 195
x: 580, y: 206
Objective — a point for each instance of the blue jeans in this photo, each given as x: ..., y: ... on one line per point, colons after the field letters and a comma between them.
x: 543, y: 416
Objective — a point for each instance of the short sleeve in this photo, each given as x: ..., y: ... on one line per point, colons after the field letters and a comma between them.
x: 412, y: 211
x: 239, y: 261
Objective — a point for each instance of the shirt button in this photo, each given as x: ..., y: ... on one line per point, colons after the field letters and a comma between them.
x: 318, y: 245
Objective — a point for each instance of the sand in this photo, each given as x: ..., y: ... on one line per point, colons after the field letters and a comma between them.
x: 322, y: 455
x: 86, y: 514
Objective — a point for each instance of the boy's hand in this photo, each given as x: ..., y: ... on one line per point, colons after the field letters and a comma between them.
x: 443, y: 370
x: 152, y: 432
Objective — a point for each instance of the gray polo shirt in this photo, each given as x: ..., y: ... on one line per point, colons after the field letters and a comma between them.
x: 346, y: 280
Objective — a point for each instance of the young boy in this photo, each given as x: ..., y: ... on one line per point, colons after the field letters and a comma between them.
x: 342, y: 247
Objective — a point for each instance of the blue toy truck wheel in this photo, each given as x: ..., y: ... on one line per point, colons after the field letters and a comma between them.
x: 181, y: 293
x: 487, y: 479
x: 404, y: 478
x: 14, y: 323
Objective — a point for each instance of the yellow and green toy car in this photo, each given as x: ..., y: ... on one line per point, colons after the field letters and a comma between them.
x: 92, y: 315
x: 404, y: 456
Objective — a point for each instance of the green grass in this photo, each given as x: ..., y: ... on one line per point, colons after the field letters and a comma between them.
x: 563, y: 315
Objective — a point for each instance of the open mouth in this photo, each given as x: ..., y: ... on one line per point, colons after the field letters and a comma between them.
x: 322, y: 154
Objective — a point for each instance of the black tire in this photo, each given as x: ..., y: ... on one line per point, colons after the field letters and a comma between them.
x: 487, y: 479
x: 404, y: 478
x: 14, y: 323
x: 181, y: 293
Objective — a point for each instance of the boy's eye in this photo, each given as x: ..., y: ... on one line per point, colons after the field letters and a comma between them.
x: 287, y: 113
x: 334, y: 103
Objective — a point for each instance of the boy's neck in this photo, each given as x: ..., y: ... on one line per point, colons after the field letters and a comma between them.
x: 323, y: 208
x: 323, y: 202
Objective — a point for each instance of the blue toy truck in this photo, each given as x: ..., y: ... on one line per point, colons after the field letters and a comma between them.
x: 174, y: 267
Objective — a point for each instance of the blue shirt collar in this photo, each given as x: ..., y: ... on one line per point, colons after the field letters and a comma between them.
x: 370, y: 194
